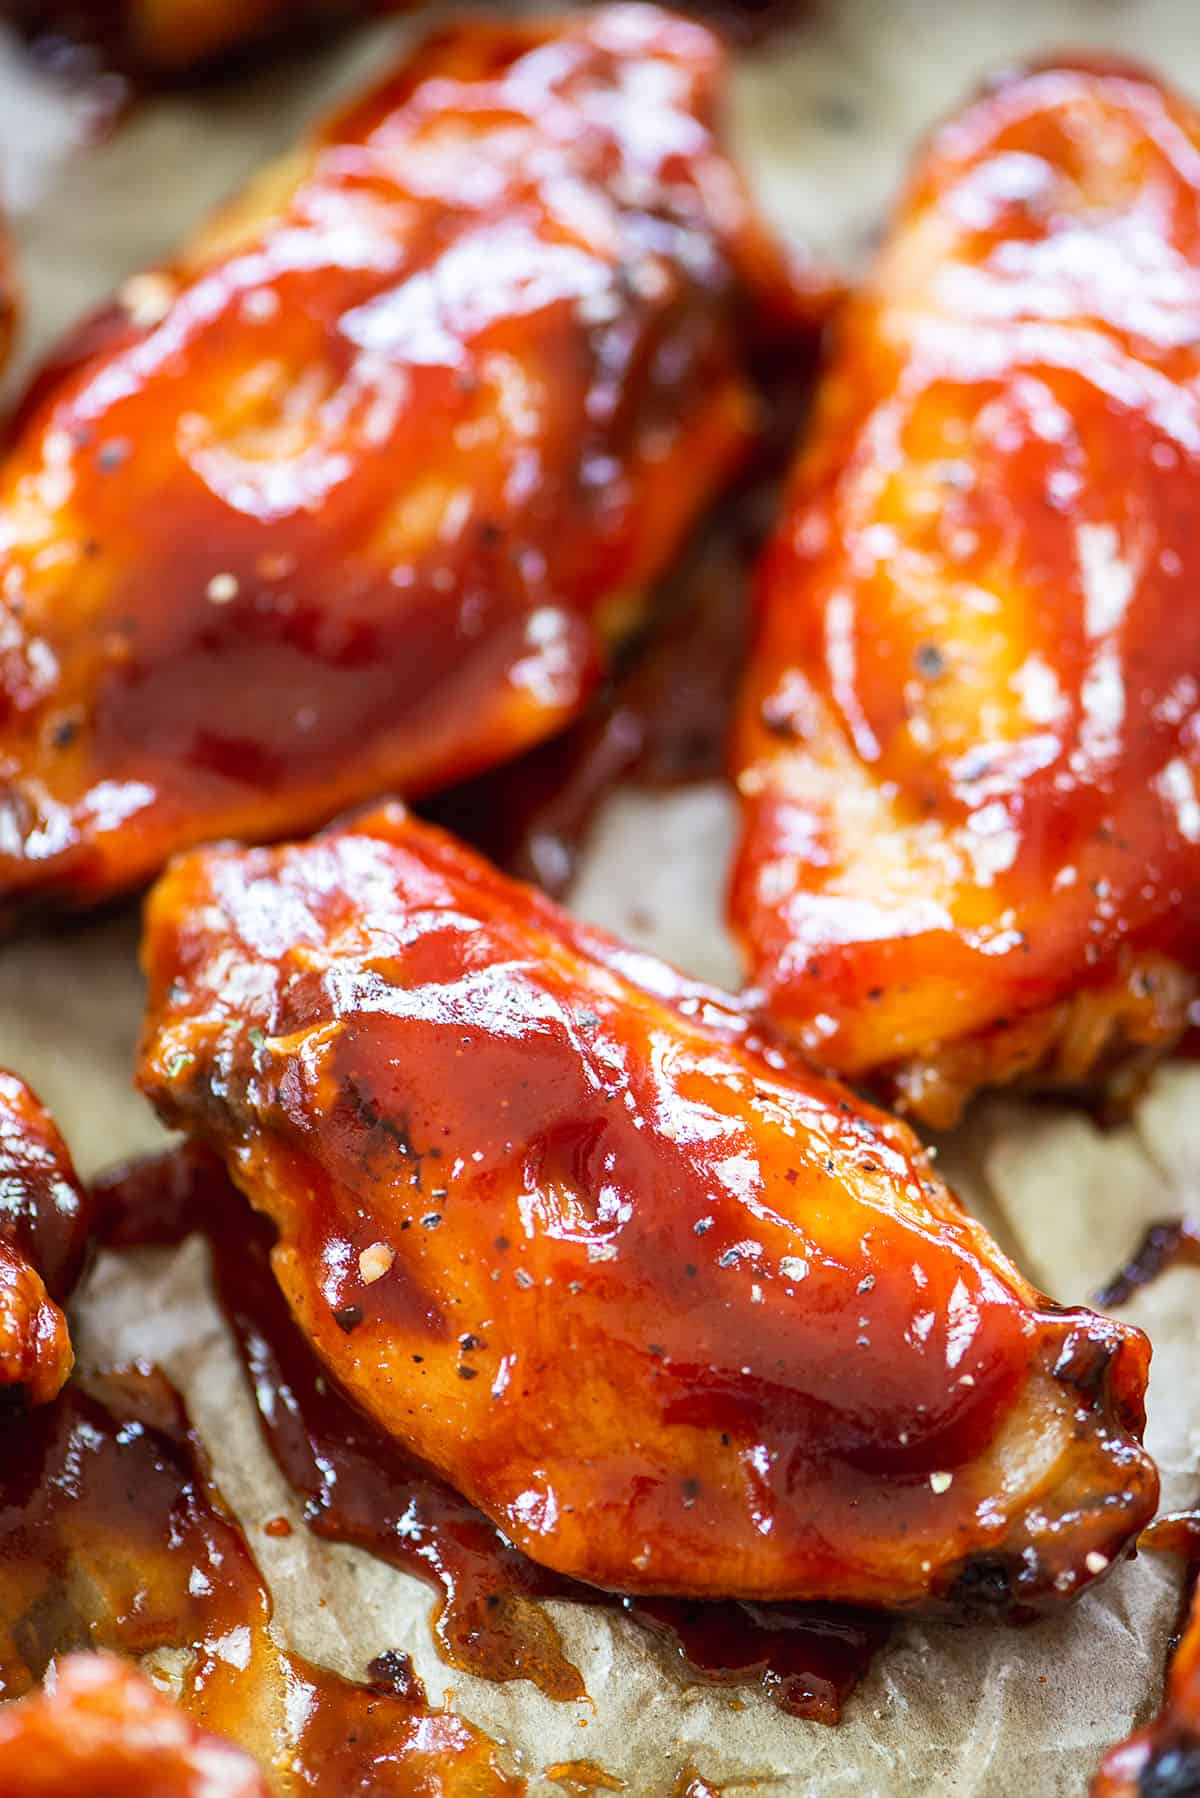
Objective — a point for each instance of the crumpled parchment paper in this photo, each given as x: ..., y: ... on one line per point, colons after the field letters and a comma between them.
x: 826, y: 115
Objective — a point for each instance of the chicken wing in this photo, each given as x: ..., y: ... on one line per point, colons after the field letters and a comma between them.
x: 356, y: 496
x: 968, y: 744
x: 44, y: 1223
x: 1163, y: 1760
x: 104, y: 1730
x: 673, y: 1311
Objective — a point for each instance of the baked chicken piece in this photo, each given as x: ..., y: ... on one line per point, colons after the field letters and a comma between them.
x: 44, y: 1222
x: 1163, y: 1760
x: 102, y: 1731
x: 968, y: 743
x: 356, y: 496
x: 675, y: 1312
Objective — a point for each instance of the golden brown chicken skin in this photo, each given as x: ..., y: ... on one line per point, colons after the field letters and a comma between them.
x: 356, y: 495
x: 44, y: 1222
x: 672, y: 1310
x: 968, y: 745
x: 1163, y: 1760
x: 103, y: 1731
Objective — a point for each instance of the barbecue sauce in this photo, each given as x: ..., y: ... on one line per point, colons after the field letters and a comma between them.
x: 359, y: 1487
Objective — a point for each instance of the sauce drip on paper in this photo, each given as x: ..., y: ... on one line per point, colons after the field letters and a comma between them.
x: 1173, y: 1242
x: 359, y: 1487
x: 111, y: 1537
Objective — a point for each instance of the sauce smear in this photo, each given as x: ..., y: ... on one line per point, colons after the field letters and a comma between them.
x: 1174, y: 1242
x: 112, y: 1537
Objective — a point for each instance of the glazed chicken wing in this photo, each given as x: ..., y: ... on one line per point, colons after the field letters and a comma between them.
x: 44, y: 1223
x: 356, y: 495
x: 969, y: 740
x: 673, y: 1311
x: 102, y: 1731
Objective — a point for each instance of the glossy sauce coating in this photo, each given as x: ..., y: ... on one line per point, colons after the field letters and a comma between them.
x: 968, y: 745
x: 112, y: 1537
x: 675, y: 1313
x: 360, y: 1487
x: 105, y: 1732
x: 356, y: 496
x: 45, y: 1218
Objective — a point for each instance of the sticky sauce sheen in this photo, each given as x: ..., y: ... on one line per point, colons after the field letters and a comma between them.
x: 680, y: 1316
x: 358, y: 1486
x: 408, y: 436
x: 969, y: 744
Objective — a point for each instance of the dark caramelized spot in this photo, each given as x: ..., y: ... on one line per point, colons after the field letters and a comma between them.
x: 986, y: 1584
x: 393, y: 1671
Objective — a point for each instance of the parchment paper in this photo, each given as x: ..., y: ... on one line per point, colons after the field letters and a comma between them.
x: 826, y: 115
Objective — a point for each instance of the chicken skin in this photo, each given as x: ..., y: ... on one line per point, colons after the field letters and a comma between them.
x: 104, y: 1732
x: 669, y: 1308
x: 356, y: 496
x: 1163, y: 1760
x: 44, y: 1223
x: 968, y: 741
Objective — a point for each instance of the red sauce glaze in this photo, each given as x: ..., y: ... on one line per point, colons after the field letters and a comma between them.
x: 112, y: 1537
x: 361, y: 1488
x: 677, y: 1314
x: 45, y: 1219
x: 969, y: 741
x: 357, y: 495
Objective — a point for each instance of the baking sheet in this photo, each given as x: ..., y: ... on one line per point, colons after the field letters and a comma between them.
x: 826, y: 114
